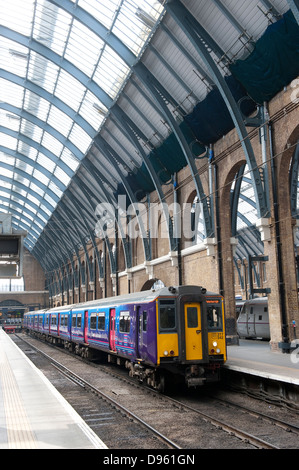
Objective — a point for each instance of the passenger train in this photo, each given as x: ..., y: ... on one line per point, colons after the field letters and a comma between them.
x: 174, y: 333
x: 253, y: 321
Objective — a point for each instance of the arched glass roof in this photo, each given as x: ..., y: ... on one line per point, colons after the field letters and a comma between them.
x: 107, y: 97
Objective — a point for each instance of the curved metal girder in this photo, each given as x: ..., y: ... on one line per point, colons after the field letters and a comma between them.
x: 200, y: 40
x: 157, y: 92
x: 72, y: 224
x: 131, y: 130
x: 294, y: 183
x: 36, y: 208
x: 39, y: 48
x: 52, y: 99
x: 111, y: 156
x: 92, y: 197
x: 294, y: 5
x: 46, y: 127
x: 32, y: 143
x: 235, y: 199
x: 80, y: 207
x: 27, y: 211
x: 99, y: 29
x: 34, y: 165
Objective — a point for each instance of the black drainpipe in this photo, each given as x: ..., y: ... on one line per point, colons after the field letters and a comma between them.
x: 218, y: 229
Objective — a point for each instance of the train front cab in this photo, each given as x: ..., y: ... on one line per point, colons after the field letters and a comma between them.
x: 185, y: 342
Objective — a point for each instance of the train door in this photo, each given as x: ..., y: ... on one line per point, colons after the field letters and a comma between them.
x: 141, y: 333
x: 85, y: 326
x: 251, y: 322
x: 58, y: 323
x: 193, y: 333
x: 112, y: 330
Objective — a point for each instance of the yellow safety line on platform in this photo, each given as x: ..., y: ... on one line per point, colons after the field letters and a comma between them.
x: 19, y: 432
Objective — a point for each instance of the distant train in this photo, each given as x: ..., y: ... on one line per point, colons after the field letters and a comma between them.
x: 170, y: 333
x: 253, y: 321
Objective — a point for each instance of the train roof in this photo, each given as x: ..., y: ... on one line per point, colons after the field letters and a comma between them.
x: 143, y: 296
x: 257, y: 300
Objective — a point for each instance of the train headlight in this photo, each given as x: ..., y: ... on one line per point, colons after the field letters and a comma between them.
x: 214, y: 344
x: 165, y: 353
x: 217, y: 350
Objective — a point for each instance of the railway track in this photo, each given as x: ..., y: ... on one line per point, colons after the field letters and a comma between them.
x: 167, y: 408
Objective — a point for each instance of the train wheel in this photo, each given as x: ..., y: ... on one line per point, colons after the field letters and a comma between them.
x: 161, y: 383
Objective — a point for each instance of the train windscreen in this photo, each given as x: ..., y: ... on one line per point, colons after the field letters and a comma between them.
x: 214, y: 315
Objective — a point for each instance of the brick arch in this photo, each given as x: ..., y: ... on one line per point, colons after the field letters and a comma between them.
x: 284, y: 157
x: 225, y: 196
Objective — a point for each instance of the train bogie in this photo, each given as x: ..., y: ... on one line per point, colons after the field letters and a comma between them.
x: 155, y: 334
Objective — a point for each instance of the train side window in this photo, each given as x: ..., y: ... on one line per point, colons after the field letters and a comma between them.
x: 260, y: 317
x: 74, y: 320
x: 79, y: 320
x: 124, y: 322
x: 192, y: 318
x: 144, y: 320
x: 93, y: 321
x: 101, y: 321
x: 167, y: 315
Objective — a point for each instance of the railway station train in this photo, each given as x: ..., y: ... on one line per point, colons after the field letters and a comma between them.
x: 169, y: 334
x: 253, y: 321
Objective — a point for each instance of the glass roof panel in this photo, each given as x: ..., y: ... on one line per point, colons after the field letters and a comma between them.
x: 25, y: 149
x: 69, y: 90
x: 69, y: 159
x: 102, y: 10
x: 92, y: 110
x: 80, y: 138
x: 51, y: 143
x: 60, y: 121
x: 45, y: 162
x: 62, y: 176
x: 111, y: 72
x: 11, y: 93
x: 9, y: 120
x: 76, y: 51
x: 8, y: 141
x: 42, y: 71
x: 13, y: 57
x: 135, y: 22
x: 51, y: 26
x: 36, y: 105
x: 24, y: 166
x: 31, y: 130
x: 19, y: 16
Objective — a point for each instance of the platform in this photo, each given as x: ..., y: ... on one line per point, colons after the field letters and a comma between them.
x: 256, y: 358
x: 33, y: 414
